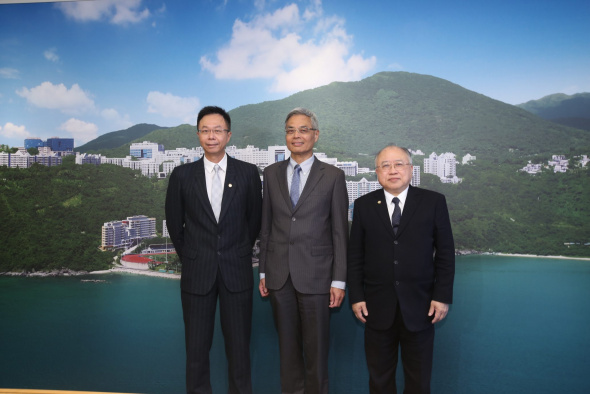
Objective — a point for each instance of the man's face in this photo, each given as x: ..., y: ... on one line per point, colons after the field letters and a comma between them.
x: 213, y: 143
x: 301, y: 144
x: 394, y: 180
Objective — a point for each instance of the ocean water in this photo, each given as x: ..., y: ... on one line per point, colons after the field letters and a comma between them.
x: 518, y: 325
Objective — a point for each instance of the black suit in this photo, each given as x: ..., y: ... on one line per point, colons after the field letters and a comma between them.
x: 398, y: 275
x: 216, y: 261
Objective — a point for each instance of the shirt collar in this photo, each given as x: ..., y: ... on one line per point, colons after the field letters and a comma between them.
x: 209, y: 164
x: 305, y: 166
x: 402, y: 196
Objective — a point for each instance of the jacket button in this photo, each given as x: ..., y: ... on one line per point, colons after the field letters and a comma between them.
x: 396, y: 283
x: 293, y: 219
x: 395, y: 242
x: 395, y: 262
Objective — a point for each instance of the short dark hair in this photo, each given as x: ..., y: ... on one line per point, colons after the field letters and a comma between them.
x: 210, y: 110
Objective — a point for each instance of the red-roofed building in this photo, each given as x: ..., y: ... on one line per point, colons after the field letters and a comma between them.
x: 136, y: 262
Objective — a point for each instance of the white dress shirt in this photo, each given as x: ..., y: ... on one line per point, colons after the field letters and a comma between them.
x: 210, y: 173
x: 402, y: 201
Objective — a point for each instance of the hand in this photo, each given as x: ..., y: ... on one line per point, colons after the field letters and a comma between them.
x: 360, y: 311
x: 336, y: 297
x: 439, y: 309
x: 262, y: 288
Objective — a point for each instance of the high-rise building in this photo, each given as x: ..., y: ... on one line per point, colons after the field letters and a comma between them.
x: 145, y: 149
x: 124, y: 233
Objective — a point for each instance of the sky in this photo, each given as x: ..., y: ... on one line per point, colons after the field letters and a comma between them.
x: 85, y: 68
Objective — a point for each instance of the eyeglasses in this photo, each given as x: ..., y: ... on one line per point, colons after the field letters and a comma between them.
x: 386, y: 166
x: 302, y: 130
x: 214, y: 131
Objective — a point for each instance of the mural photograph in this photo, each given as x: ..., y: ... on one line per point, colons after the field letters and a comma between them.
x: 118, y: 116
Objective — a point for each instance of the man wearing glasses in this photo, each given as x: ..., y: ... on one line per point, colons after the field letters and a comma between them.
x: 213, y: 210
x: 401, y: 266
x: 303, y: 244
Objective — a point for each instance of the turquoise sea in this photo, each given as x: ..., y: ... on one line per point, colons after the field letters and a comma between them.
x: 518, y: 325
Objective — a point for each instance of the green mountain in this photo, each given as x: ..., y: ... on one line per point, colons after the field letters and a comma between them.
x: 115, y: 139
x: 183, y: 136
x: 417, y: 111
x: 52, y: 217
x: 572, y: 111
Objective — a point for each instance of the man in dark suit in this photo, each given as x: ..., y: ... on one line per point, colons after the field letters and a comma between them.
x: 303, y: 254
x: 401, y: 266
x: 213, y: 210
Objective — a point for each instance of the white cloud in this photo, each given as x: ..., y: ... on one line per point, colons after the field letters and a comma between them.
x: 48, y: 95
x: 51, y: 55
x: 11, y: 130
x: 115, y: 118
x: 9, y: 73
x: 271, y: 46
x: 115, y: 11
x: 80, y: 130
x: 170, y: 106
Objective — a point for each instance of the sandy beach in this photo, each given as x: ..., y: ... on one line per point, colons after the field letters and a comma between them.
x: 137, y: 272
x: 540, y: 257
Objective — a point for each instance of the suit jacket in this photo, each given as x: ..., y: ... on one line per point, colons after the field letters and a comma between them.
x: 205, y: 246
x: 411, y: 268
x: 309, y: 241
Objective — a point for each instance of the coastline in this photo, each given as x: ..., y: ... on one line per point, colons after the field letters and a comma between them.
x: 538, y: 256
x: 123, y: 270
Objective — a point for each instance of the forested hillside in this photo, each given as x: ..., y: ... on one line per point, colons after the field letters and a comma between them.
x: 51, y: 217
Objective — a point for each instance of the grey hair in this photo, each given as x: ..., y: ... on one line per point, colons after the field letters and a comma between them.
x: 306, y: 112
x: 406, y: 151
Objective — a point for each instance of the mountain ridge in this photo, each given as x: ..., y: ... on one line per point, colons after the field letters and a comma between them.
x: 412, y: 110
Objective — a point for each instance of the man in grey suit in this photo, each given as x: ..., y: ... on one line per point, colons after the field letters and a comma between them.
x: 213, y: 216
x: 303, y: 244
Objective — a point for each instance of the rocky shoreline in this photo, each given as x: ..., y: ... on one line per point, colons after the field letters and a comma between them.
x: 119, y: 269
x: 64, y: 272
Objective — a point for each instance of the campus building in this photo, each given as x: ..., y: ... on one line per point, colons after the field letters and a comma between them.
x: 121, y: 234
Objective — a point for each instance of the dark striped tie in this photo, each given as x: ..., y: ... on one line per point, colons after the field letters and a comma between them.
x: 396, y: 216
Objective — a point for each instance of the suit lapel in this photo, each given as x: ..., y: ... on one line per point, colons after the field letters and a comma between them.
x: 412, y: 201
x: 315, y: 174
x: 229, y: 187
x: 200, y: 187
x: 282, y: 181
x: 380, y: 205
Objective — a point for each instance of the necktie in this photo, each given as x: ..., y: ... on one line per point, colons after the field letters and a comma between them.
x: 216, y: 192
x: 396, y: 216
x: 295, y: 185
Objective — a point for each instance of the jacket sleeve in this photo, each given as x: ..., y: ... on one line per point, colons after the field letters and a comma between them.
x: 174, y: 209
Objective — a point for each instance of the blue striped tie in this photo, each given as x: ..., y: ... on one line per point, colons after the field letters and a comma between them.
x: 295, y: 185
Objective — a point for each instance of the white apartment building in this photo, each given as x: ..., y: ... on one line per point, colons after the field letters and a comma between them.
x: 532, y: 168
x: 20, y: 159
x: 350, y: 168
x: 122, y: 233
x: 559, y: 163
x: 467, y: 158
x: 145, y: 149
x: 145, y: 227
x: 443, y: 166
x: 165, y: 233
x: 88, y: 158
